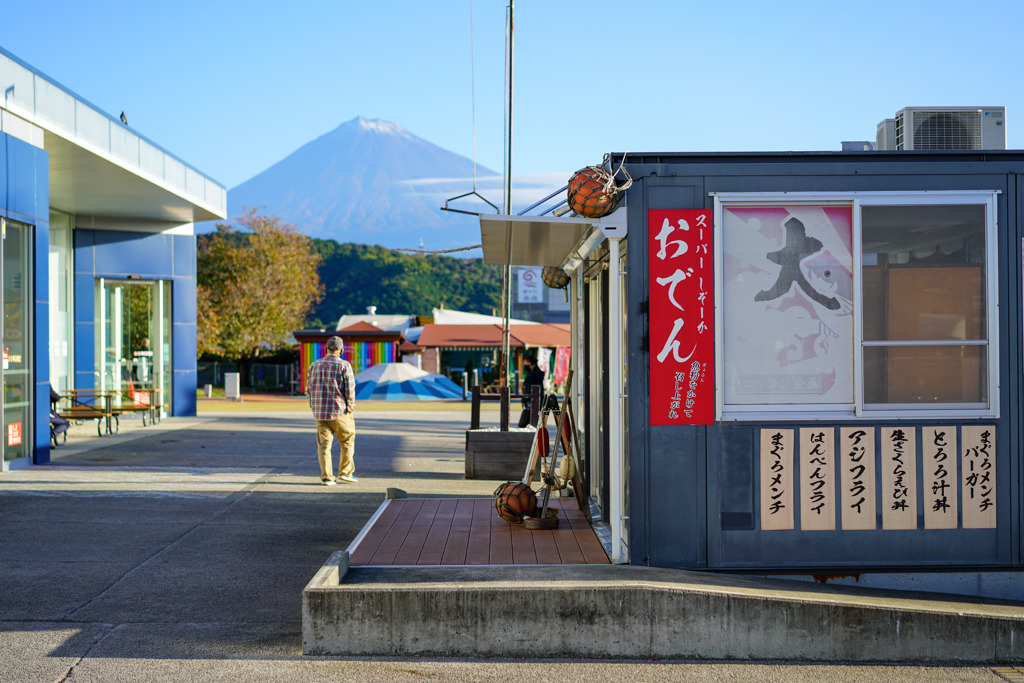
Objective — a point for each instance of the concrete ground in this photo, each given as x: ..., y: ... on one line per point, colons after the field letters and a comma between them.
x: 180, y: 551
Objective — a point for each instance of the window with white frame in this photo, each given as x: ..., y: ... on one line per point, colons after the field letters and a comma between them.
x: 874, y: 304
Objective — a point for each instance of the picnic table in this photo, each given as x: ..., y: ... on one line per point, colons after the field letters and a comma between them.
x: 144, y: 401
x: 90, y: 404
x: 104, y: 406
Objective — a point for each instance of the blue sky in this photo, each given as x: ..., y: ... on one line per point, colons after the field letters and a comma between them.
x: 233, y: 87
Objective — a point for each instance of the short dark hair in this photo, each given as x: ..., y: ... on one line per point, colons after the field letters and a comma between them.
x: 530, y: 358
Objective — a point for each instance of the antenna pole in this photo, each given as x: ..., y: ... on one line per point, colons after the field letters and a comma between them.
x: 472, y: 87
x: 507, y: 268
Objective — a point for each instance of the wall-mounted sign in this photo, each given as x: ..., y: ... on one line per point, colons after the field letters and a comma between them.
x: 777, y: 479
x: 817, y: 479
x: 14, y: 434
x: 140, y: 398
x: 938, y: 451
x: 899, y: 477
x: 978, y: 476
x: 530, y: 286
x: 857, y: 465
x: 681, y: 318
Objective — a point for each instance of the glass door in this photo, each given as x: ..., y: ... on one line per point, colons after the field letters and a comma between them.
x: 61, y: 295
x: 134, y: 341
x: 17, y: 344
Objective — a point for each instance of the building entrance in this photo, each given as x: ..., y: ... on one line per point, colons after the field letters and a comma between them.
x: 134, y: 341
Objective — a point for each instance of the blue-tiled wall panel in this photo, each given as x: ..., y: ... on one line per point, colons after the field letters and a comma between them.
x: 84, y: 314
x: 119, y: 254
x: 185, y: 255
x: 185, y: 365
x: 184, y: 304
x: 85, y: 262
x: 23, y: 184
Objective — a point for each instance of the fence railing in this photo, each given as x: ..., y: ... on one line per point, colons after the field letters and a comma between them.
x: 261, y: 376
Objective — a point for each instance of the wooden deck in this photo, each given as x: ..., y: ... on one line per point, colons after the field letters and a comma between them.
x: 468, y: 531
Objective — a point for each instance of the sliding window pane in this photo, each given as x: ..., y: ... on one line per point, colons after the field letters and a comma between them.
x: 924, y: 280
x: 924, y: 272
x: 925, y: 374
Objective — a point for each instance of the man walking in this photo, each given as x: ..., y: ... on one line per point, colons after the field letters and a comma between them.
x: 331, y: 387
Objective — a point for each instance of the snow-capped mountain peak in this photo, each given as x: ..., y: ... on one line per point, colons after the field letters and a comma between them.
x: 367, y: 181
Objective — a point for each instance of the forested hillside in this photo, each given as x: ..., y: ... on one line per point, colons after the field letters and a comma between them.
x: 355, y: 276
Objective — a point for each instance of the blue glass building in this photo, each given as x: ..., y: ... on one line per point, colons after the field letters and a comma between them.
x: 99, y: 258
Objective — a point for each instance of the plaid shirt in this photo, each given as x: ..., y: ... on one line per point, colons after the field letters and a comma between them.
x: 331, y: 387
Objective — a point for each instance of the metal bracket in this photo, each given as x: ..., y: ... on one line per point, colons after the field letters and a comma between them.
x: 613, y: 226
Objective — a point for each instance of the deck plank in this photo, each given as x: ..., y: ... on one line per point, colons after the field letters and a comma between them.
x: 397, y: 532
x: 369, y: 543
x: 437, y: 537
x: 568, y: 546
x: 410, y: 551
x: 456, y: 548
x: 523, y: 551
x: 590, y: 546
x: 544, y: 546
x: 501, y: 540
x: 478, y: 550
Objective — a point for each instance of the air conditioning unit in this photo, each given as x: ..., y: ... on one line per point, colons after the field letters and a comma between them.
x: 944, y: 128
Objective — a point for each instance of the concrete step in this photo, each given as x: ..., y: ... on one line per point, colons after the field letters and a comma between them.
x: 625, y: 611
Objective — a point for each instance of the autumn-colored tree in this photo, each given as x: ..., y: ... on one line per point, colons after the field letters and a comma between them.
x: 209, y: 322
x: 256, y: 283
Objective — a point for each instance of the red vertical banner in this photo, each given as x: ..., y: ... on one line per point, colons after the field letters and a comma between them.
x: 681, y: 315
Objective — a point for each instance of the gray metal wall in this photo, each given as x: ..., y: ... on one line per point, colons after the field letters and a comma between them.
x: 694, y: 494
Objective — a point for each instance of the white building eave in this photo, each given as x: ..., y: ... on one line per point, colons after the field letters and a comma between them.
x: 100, y: 166
x: 83, y: 182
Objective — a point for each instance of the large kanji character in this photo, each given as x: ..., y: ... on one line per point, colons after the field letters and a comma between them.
x: 798, y: 246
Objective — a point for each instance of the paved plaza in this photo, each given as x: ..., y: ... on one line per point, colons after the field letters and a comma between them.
x: 180, y: 551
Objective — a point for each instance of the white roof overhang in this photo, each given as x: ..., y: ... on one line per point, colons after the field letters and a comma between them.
x: 85, y: 183
x: 545, y: 240
x: 98, y: 165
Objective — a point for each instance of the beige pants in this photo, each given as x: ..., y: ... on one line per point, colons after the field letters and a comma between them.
x: 343, y: 427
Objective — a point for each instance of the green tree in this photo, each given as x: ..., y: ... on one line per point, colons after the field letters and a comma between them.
x: 255, y: 284
x: 358, y: 275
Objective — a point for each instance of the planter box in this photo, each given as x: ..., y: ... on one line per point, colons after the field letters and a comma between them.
x: 497, y: 455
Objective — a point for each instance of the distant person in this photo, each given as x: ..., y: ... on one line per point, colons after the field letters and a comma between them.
x: 534, y: 378
x: 141, y: 359
x: 331, y: 387
x: 58, y: 423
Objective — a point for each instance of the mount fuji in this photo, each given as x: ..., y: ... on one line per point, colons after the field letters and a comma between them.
x: 372, y: 182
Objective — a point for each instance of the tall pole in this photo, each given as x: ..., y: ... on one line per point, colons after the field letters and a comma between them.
x: 506, y: 276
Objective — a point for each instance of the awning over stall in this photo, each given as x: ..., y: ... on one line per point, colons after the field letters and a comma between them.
x: 545, y: 240
x: 536, y: 240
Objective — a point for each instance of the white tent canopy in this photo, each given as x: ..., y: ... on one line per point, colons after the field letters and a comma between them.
x: 403, y: 382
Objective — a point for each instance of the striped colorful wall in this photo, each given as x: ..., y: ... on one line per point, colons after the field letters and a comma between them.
x: 361, y: 355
